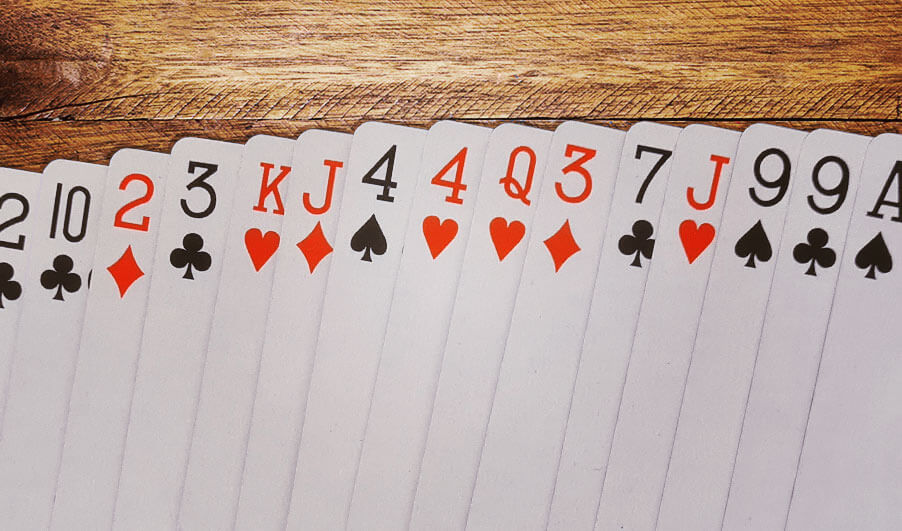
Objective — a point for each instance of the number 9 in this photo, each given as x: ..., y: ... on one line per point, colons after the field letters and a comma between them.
x: 781, y: 183
x: 840, y: 190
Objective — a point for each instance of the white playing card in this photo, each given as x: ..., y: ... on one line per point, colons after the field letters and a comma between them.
x: 629, y: 243
x: 382, y: 178
x: 110, y: 341
x: 200, y: 182
x: 665, y: 333
x: 418, y: 324
x: 46, y: 348
x: 319, y: 162
x: 720, y: 370
x: 18, y: 195
x: 794, y: 326
x: 848, y: 475
x: 493, y: 261
x: 217, y: 449
x: 523, y: 440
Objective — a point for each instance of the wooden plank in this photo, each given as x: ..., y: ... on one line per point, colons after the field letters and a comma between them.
x: 30, y: 145
x: 412, y: 61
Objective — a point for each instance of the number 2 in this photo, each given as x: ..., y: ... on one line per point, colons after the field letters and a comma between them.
x: 457, y: 186
x: 148, y: 194
x: 19, y: 244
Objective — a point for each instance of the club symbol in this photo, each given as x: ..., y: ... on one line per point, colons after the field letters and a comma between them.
x: 9, y: 288
x: 190, y: 256
x: 815, y: 252
x: 369, y: 239
x: 874, y: 256
x: 61, y: 278
x: 754, y: 245
x: 639, y: 243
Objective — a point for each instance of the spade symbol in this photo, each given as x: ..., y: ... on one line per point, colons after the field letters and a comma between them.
x: 754, y: 245
x: 639, y: 243
x: 874, y: 256
x: 9, y: 288
x: 369, y: 239
x: 61, y: 277
x: 190, y: 256
x: 815, y: 251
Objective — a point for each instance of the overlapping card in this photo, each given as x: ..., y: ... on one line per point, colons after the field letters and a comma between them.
x: 457, y: 328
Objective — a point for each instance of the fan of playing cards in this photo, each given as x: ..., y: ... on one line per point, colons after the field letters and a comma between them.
x: 686, y: 329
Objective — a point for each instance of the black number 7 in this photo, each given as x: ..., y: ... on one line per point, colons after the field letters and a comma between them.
x: 663, y: 155
x: 387, y: 184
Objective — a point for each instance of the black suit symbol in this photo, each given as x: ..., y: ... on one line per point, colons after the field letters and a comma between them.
x: 9, y: 288
x: 61, y: 277
x: 815, y: 252
x: 754, y: 245
x: 369, y: 239
x: 874, y: 256
x: 190, y: 256
x: 639, y: 243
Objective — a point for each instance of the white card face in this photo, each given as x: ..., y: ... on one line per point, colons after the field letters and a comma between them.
x: 319, y: 163
x: 665, y: 333
x: 200, y: 184
x: 223, y: 417
x: 848, y: 475
x: 56, y: 280
x: 628, y: 246
x: 418, y: 325
x: 789, y: 348
x: 110, y: 341
x: 523, y: 440
x: 493, y: 261
x: 382, y: 178
x: 18, y: 196
x: 720, y: 372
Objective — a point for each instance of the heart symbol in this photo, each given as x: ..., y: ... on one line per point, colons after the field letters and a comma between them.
x: 505, y: 235
x: 695, y: 238
x: 260, y: 246
x: 438, y: 234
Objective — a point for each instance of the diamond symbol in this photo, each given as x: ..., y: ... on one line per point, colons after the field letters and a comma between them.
x: 125, y: 271
x: 315, y: 247
x: 561, y: 245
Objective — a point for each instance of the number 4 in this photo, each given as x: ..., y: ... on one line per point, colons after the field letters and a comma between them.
x: 387, y: 184
x: 456, y: 186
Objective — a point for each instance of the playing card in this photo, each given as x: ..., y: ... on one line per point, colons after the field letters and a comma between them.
x: 56, y: 280
x: 200, y: 182
x: 665, y: 333
x: 18, y: 194
x: 493, y: 261
x: 226, y: 400
x: 301, y: 269
x: 523, y: 439
x: 848, y: 476
x: 382, y: 177
x: 110, y: 341
x: 720, y: 370
x: 418, y: 324
x: 792, y: 336
x: 629, y: 242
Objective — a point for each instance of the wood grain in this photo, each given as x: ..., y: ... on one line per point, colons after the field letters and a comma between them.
x: 79, y: 79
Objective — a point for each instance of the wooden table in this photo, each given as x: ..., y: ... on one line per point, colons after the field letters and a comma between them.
x: 83, y: 78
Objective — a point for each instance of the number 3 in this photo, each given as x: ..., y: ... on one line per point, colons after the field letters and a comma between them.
x: 148, y: 194
x: 577, y: 167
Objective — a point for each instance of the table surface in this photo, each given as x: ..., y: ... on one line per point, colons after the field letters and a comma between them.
x: 81, y: 79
